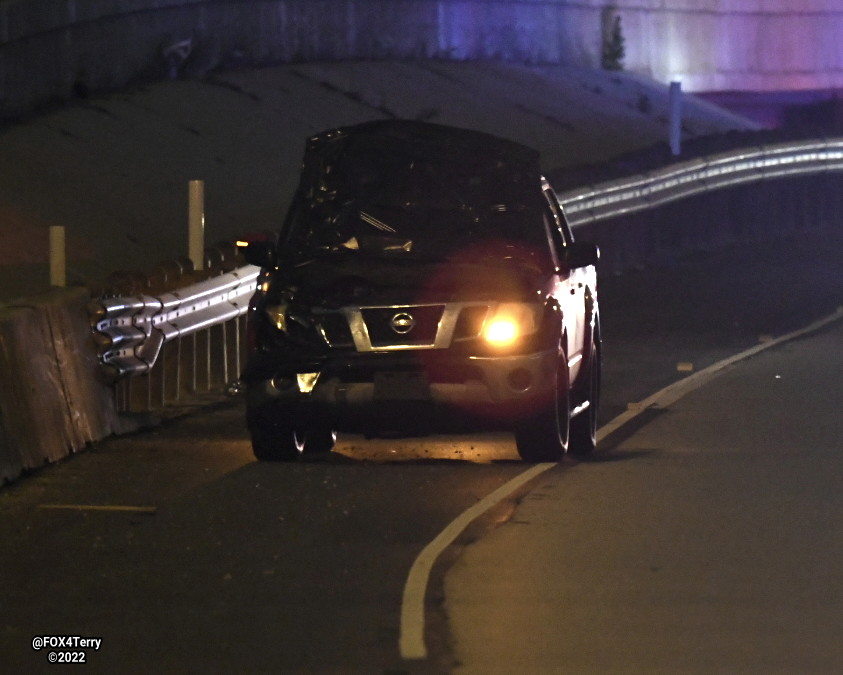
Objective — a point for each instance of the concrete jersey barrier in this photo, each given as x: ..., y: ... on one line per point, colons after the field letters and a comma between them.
x: 53, y: 398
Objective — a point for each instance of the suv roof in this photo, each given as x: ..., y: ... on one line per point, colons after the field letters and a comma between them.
x: 424, y: 138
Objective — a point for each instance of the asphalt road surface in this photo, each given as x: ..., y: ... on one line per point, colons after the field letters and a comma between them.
x: 709, y: 541
x: 182, y: 554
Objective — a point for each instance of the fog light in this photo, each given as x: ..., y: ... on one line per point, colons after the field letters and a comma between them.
x: 520, y: 379
x: 307, y: 381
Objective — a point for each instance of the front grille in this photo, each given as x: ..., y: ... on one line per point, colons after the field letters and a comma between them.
x: 402, y: 326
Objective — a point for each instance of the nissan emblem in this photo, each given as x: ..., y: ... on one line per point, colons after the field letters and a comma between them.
x: 402, y: 323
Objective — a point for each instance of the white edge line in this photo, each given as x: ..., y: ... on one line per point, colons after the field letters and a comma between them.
x: 411, y: 642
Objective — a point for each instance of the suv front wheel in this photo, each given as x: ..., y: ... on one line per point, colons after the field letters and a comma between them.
x: 272, y: 443
x: 543, y: 437
x: 583, y: 439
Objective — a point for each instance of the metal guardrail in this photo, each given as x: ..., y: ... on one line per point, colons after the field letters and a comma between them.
x: 132, y: 330
x: 685, y: 179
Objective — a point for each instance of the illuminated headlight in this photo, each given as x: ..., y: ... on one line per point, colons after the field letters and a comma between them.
x: 278, y: 316
x: 510, y: 322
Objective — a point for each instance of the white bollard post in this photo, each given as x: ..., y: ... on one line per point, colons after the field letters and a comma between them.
x: 196, y: 223
x: 676, y: 118
x: 58, y: 262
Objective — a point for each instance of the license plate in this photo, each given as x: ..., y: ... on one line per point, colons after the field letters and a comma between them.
x: 397, y: 386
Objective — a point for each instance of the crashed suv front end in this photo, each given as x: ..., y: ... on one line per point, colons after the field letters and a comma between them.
x: 375, y: 367
x: 413, y: 287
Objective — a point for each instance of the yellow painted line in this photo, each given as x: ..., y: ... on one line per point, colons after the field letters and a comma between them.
x: 99, y: 507
x: 411, y: 637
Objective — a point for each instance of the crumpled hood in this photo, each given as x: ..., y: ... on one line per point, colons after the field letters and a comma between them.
x: 418, y: 166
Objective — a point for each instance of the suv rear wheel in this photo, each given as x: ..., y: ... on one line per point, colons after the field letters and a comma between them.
x: 544, y: 436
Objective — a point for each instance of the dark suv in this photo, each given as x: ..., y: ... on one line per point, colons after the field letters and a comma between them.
x: 424, y: 278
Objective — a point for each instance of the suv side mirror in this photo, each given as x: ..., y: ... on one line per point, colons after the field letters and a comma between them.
x: 260, y: 253
x: 581, y: 254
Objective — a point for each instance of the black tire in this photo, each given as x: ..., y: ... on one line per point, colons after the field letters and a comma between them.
x: 277, y: 444
x: 319, y: 441
x: 583, y: 439
x: 544, y: 436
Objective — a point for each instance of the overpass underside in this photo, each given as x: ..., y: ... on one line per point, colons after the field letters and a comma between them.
x: 57, y: 49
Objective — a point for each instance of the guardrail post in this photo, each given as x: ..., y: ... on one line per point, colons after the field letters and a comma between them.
x: 195, y: 364
x: 208, y: 359
x: 58, y: 262
x: 196, y: 223
x: 224, y: 354
x: 237, y: 347
x: 178, y: 368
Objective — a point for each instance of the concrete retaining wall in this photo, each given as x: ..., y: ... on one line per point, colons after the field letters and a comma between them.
x: 52, y: 400
x: 55, y: 49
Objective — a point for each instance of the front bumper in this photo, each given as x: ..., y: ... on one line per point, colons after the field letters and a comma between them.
x: 405, y: 392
